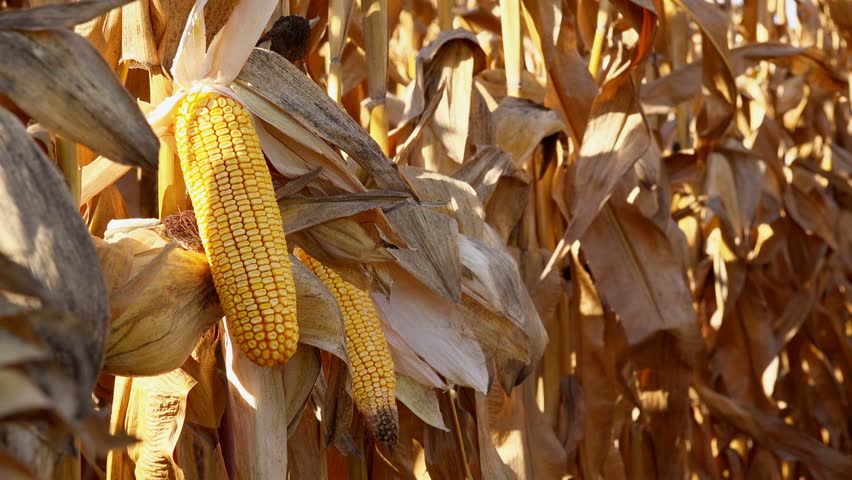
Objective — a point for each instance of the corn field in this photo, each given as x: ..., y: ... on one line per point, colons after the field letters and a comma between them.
x: 380, y: 239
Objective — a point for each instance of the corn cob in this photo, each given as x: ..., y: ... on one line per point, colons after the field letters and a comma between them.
x: 373, y: 378
x: 239, y: 224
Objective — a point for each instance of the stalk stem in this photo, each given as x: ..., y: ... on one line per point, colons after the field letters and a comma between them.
x: 510, y: 22
x: 66, y: 155
x: 459, y: 438
x: 600, y: 34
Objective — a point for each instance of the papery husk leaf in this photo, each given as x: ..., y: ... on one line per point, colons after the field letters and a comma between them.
x: 299, y: 213
x: 154, y: 335
x: 44, y: 232
x: 155, y: 414
x: 435, y: 330
x: 301, y: 374
x: 278, y: 81
x: 459, y: 199
x: 343, y: 240
x: 483, y: 170
x: 19, y: 394
x: 289, y: 144
x: 15, y: 278
x: 15, y: 350
x: 432, y: 260
x: 421, y: 400
x: 406, y: 362
x: 95, y: 110
x: 491, y: 279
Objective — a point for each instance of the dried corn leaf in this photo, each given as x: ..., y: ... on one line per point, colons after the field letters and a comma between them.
x: 459, y: 198
x: 777, y: 435
x: 138, y: 45
x: 301, y: 374
x: 624, y: 255
x: 95, y: 110
x: 168, y: 309
x: 421, y: 400
x: 43, y: 231
x: 615, y: 139
x: 435, y: 330
x: 272, y: 77
x: 300, y: 213
x: 521, y: 126
x: 483, y: 170
x: 50, y: 17
x: 432, y: 259
x: 155, y: 414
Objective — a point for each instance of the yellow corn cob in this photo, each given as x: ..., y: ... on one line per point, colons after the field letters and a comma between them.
x: 373, y: 378
x: 239, y: 224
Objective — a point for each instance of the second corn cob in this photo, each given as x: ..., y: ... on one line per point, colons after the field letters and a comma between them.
x: 373, y: 375
x: 239, y: 224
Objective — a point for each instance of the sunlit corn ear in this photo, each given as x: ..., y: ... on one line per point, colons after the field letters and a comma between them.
x: 373, y: 373
x: 160, y: 306
x: 239, y: 224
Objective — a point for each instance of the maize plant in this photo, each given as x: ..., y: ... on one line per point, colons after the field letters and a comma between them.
x: 425, y: 239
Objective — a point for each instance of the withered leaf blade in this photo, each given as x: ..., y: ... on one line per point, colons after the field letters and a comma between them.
x: 59, y: 79
x: 625, y: 255
x: 484, y: 169
x: 43, y: 231
x: 435, y: 329
x: 615, y: 139
x: 273, y: 77
x: 15, y: 278
x: 421, y: 400
x: 52, y: 17
x: 777, y: 435
x: 433, y: 259
x: 301, y: 374
x: 299, y: 213
x: 150, y: 336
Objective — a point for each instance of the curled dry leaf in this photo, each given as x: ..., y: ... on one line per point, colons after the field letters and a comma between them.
x: 431, y: 259
x: 299, y: 213
x: 45, y: 233
x: 52, y: 17
x: 435, y: 330
x: 94, y: 110
x: 169, y: 301
x: 278, y: 81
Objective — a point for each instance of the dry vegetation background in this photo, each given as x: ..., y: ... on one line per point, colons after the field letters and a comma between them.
x: 642, y: 272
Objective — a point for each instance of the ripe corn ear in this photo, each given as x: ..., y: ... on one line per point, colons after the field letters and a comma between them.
x: 373, y: 377
x: 239, y: 224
